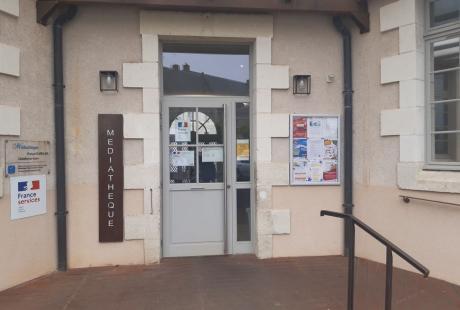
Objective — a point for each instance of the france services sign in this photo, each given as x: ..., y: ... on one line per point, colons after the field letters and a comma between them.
x: 28, y: 196
x: 110, y: 177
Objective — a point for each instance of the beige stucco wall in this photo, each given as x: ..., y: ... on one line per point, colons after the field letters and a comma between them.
x: 428, y: 232
x: 309, y: 44
x: 99, y: 38
x: 103, y: 38
x: 28, y: 246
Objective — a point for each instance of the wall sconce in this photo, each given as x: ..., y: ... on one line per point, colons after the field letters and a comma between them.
x: 302, y: 84
x: 108, y: 81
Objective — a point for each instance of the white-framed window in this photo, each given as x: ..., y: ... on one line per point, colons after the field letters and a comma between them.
x: 442, y: 39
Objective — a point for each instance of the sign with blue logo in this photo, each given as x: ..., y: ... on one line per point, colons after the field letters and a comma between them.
x: 27, y: 157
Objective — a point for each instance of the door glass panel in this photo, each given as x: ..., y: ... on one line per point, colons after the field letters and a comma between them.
x: 210, y: 125
x: 211, y: 168
x: 182, y: 126
x: 182, y: 164
x: 242, y: 142
x: 243, y: 214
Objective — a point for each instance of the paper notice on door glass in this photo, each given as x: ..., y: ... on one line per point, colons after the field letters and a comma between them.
x: 315, y: 128
x: 182, y: 158
x: 242, y: 149
x: 331, y: 128
x: 183, y: 132
x: 212, y: 155
x: 315, y: 171
x: 315, y: 149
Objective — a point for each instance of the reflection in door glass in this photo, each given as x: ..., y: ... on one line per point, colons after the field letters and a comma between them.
x: 211, y: 167
x: 210, y: 125
x: 242, y: 142
x: 243, y: 214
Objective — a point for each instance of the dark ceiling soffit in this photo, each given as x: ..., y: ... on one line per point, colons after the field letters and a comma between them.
x: 357, y: 9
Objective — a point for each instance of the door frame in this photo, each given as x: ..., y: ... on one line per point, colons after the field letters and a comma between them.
x: 231, y: 245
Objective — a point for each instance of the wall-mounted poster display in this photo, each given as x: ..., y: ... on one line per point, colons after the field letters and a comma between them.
x: 315, y: 150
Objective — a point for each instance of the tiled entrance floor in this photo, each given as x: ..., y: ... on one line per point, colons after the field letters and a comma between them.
x: 233, y: 282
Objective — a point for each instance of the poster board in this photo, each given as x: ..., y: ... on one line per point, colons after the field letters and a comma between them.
x: 314, y: 149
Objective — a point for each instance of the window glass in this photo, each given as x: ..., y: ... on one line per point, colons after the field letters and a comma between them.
x: 444, y: 12
x: 444, y: 98
x: 191, y: 70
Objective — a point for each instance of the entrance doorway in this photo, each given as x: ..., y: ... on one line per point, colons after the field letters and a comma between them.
x: 207, y: 176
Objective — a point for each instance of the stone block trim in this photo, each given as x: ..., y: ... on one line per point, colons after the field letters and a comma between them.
x: 145, y: 75
x: 281, y: 222
x: 10, y: 121
x: 407, y: 69
x: 9, y: 60
x: 10, y: 7
x: 140, y: 75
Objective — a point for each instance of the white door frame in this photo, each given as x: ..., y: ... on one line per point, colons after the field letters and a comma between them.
x: 231, y: 245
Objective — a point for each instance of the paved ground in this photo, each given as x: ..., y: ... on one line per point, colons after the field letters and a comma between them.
x: 234, y: 282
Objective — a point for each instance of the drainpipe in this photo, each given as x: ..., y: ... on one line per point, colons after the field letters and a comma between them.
x: 61, y: 209
x: 348, y: 130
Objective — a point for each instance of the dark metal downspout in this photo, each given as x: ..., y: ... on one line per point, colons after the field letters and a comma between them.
x: 61, y: 209
x: 348, y: 130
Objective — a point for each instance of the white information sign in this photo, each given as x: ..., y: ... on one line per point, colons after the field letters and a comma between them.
x: 212, y: 155
x: 27, y: 157
x: 183, y: 132
x: 315, y: 151
x: 182, y: 158
x: 28, y: 196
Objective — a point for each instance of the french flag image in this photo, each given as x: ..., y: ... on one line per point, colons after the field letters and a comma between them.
x: 26, y: 186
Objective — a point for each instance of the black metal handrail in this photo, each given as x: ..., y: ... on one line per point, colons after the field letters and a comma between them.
x: 390, y: 246
x: 407, y: 199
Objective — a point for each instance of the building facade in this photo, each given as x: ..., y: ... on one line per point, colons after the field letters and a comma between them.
x: 207, y: 107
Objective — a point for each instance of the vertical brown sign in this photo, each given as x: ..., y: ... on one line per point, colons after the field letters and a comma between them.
x: 110, y: 177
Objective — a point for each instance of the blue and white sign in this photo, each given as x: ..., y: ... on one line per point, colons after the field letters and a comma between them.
x: 28, y: 196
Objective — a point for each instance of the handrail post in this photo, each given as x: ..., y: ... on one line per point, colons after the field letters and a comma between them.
x: 351, y: 263
x: 389, y: 279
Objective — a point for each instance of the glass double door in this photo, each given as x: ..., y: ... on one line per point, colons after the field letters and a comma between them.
x: 206, y: 174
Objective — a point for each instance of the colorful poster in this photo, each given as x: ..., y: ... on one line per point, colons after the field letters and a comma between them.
x: 299, y: 127
x: 299, y: 149
x: 315, y: 150
x: 330, y: 171
x: 182, y: 158
x: 315, y: 127
x: 242, y: 149
x: 28, y: 196
x: 330, y: 129
x: 330, y: 149
x: 315, y: 172
x: 299, y: 171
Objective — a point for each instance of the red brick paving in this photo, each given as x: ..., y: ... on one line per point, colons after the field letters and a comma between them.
x: 232, y: 282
